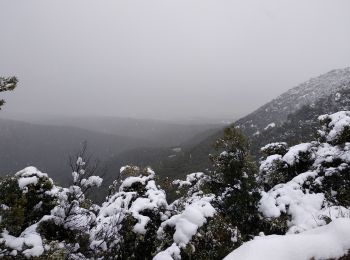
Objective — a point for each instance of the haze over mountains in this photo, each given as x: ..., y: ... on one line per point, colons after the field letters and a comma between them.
x: 48, y: 143
x: 119, y: 141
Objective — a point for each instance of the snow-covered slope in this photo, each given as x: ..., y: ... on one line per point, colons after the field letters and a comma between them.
x: 275, y: 112
x: 327, y: 242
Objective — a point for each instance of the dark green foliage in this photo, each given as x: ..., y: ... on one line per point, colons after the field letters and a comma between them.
x: 137, y: 246
x: 215, y: 240
x: 274, y: 173
x: 302, y: 164
x: 274, y: 226
x: 232, y: 159
x: 234, y: 175
x: 344, y: 136
x: 50, y: 231
x: 336, y: 185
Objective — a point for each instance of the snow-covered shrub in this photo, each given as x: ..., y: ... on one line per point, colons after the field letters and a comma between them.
x: 181, y: 227
x: 73, y: 217
x: 280, y: 148
x: 336, y: 127
x: 277, y: 168
x: 319, y: 192
x: 24, y: 199
x: 194, y: 229
x: 128, y: 221
x: 273, y: 170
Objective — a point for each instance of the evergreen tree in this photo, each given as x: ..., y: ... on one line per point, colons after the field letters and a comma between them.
x: 233, y: 180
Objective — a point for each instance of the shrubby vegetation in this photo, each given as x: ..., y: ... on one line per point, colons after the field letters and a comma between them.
x: 296, y: 188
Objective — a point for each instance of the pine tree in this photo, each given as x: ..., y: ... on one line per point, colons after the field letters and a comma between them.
x: 7, y: 84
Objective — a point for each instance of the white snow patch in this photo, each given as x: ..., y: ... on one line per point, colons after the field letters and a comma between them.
x: 271, y: 125
x: 187, y: 223
x: 328, y: 242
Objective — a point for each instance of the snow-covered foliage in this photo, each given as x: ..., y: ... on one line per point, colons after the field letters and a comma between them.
x: 70, y: 213
x: 306, y: 186
x: 137, y: 222
x: 194, y: 222
x: 280, y: 148
x: 25, y: 198
x: 7, y: 84
x: 129, y: 216
x: 336, y: 127
x: 186, y: 223
x: 190, y: 179
x: 29, y: 243
x: 319, y: 191
x: 39, y: 218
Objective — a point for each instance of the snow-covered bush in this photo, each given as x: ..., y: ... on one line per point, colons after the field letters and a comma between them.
x: 320, y: 190
x: 280, y: 148
x: 73, y: 217
x: 336, y: 127
x: 195, y: 229
x: 25, y: 199
x: 277, y: 168
x: 127, y: 222
x: 273, y: 170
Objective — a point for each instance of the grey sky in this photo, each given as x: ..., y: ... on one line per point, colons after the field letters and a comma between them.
x: 166, y: 58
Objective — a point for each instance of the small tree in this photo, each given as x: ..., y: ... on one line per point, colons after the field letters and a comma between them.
x: 7, y: 84
x: 233, y: 180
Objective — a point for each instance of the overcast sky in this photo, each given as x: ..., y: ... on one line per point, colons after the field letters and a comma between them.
x: 166, y: 58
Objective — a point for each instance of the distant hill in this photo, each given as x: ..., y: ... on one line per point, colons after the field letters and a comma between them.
x: 276, y: 112
x: 302, y: 125
x: 160, y: 132
x: 48, y: 147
